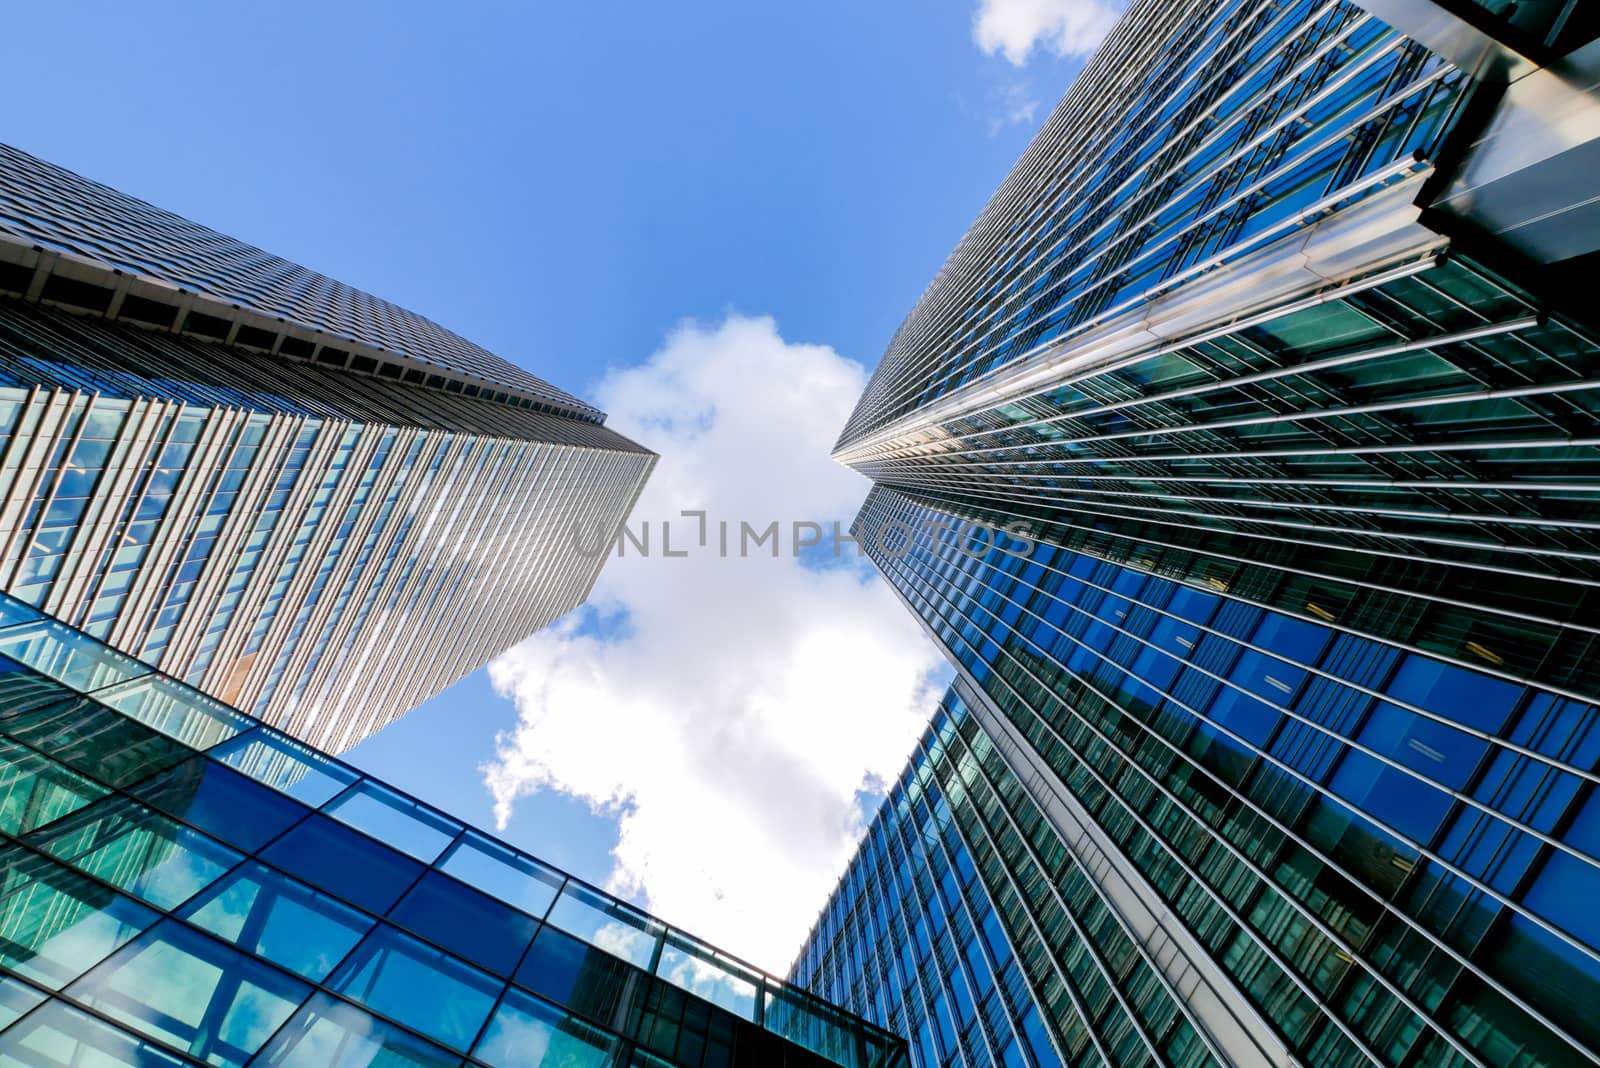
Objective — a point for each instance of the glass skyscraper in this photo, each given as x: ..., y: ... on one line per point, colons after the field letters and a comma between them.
x: 181, y: 884
x: 306, y: 501
x: 1244, y: 458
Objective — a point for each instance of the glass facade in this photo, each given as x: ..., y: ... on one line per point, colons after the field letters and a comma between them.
x: 1258, y: 518
x: 50, y: 209
x: 286, y: 534
x: 184, y: 885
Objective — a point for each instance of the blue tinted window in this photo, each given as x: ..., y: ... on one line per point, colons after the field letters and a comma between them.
x: 351, y: 865
x: 15, y: 1000
x: 526, y: 1033
x: 1468, y: 697
x: 1400, y: 801
x: 1565, y: 893
x: 220, y: 800
x: 57, y: 1034
x: 394, y: 819
x: 271, y: 915
x: 402, y: 978
x: 285, y: 764
x: 572, y: 973
x: 610, y: 925
x: 483, y: 863
x: 1442, y: 753
x: 466, y: 922
x: 1294, y: 639
x: 327, y: 1031
x: 138, y: 850
x: 56, y: 924
x: 189, y: 991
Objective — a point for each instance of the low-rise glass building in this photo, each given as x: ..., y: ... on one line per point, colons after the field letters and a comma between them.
x: 183, y: 885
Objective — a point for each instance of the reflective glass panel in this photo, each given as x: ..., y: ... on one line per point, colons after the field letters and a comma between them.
x: 180, y: 987
x: 175, y: 710
x: 351, y: 865
x: 35, y: 790
x: 610, y: 925
x: 83, y: 735
x: 56, y: 1034
x: 394, y: 819
x: 466, y: 922
x: 139, y: 850
x: 56, y: 924
x: 61, y: 653
x: 284, y: 764
x: 16, y: 998
x: 707, y: 975
x: 570, y: 972
x: 481, y: 862
x: 400, y: 977
x: 329, y: 1032
x: 220, y: 800
x: 265, y: 912
x: 527, y: 1033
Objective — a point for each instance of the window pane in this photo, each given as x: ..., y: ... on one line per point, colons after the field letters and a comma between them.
x: 403, y: 979
x: 182, y: 988
x: 285, y: 764
x: 35, y: 790
x: 466, y: 922
x: 328, y: 1031
x: 1469, y: 697
x: 588, y: 981
x: 220, y: 800
x: 13, y: 611
x: 60, y: 1035
x: 87, y: 737
x: 175, y: 710
x: 72, y: 659
x: 333, y: 858
x: 610, y: 925
x: 16, y: 998
x: 1442, y: 753
x: 486, y: 864
x: 527, y: 1033
x: 138, y: 850
x: 273, y: 916
x: 56, y: 924
x: 395, y: 820
x: 707, y: 975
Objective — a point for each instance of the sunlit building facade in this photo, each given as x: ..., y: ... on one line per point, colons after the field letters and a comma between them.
x: 1277, y: 719
x: 308, y: 502
x: 184, y: 885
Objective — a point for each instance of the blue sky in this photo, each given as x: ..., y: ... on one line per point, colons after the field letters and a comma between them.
x: 568, y: 185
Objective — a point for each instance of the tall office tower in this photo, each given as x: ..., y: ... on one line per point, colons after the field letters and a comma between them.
x: 181, y: 884
x: 305, y: 501
x: 1275, y: 733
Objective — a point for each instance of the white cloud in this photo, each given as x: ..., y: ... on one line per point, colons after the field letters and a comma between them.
x: 1065, y: 27
x: 1017, y: 106
x: 746, y: 701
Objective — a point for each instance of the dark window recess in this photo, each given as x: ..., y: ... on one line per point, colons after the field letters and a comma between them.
x: 78, y: 294
x: 205, y: 325
x: 333, y: 356
x: 415, y: 376
x: 435, y: 381
x: 389, y: 370
x: 145, y: 310
x: 469, y: 390
x: 452, y: 386
x: 364, y: 364
x: 255, y: 337
x: 297, y: 347
x: 15, y: 277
